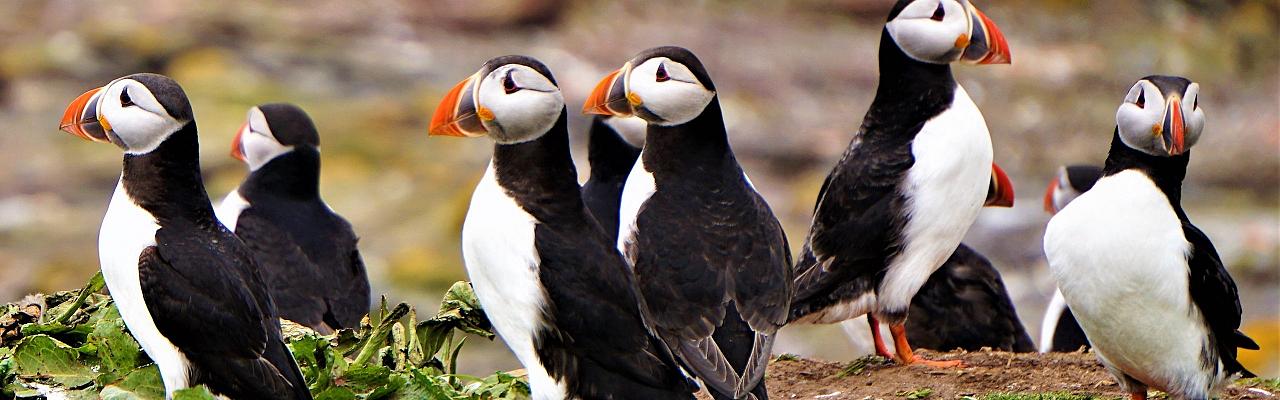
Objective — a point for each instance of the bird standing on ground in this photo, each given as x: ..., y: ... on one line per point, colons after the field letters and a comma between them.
x: 307, y: 252
x: 547, y: 275
x: 709, y: 255
x: 189, y: 291
x: 912, y: 180
x: 1059, y: 330
x: 1147, y: 286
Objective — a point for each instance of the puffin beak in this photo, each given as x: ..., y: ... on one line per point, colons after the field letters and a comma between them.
x: 458, y: 114
x: 610, y: 96
x: 1173, y: 129
x: 985, y: 44
x: 237, y: 144
x: 1000, y: 192
x: 81, y: 118
x: 1048, y: 197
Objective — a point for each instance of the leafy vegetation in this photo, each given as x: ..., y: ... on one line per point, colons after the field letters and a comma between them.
x: 922, y: 393
x: 74, y: 345
x: 1044, y: 396
x: 1268, y: 384
x: 856, y: 367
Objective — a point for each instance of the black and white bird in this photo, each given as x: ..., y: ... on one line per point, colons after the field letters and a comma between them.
x: 189, y: 291
x: 1146, y: 285
x: 709, y: 255
x: 1059, y: 330
x: 307, y: 252
x: 548, y: 276
x: 610, y: 156
x: 911, y: 182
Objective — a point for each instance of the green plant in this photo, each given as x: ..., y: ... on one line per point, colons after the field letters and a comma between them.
x: 856, y: 367
x: 916, y: 394
x: 1043, y: 396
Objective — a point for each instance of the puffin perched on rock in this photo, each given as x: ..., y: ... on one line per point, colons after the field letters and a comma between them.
x: 1059, y: 331
x: 709, y: 255
x: 190, y: 292
x: 611, y: 157
x: 1147, y: 286
x: 547, y: 274
x: 307, y: 252
x: 898, y: 202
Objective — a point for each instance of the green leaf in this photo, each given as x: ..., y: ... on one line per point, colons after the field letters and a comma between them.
x: 42, y: 357
x: 193, y: 393
x: 118, y: 352
x: 377, y: 339
x: 141, y: 384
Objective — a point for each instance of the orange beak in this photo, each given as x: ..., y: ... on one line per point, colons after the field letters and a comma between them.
x: 81, y: 118
x: 1048, y: 197
x: 1000, y: 192
x: 610, y: 95
x: 1174, y: 130
x: 458, y: 114
x: 237, y: 144
x: 986, y: 43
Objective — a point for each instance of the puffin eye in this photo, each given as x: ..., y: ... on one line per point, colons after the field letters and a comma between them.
x: 939, y: 14
x: 1142, y: 98
x: 661, y: 75
x: 509, y: 84
x: 125, y: 101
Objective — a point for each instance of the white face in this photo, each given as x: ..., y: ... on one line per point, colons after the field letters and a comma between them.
x: 517, y: 104
x: 932, y: 31
x: 137, y: 119
x: 259, y: 144
x: 668, y: 90
x: 1143, y: 113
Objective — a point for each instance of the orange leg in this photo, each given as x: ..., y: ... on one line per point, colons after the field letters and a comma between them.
x: 881, y: 349
x: 906, y: 356
x: 1138, y: 396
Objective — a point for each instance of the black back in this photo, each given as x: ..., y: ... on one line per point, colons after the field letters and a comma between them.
x: 1211, y: 287
x: 307, y: 253
x: 859, y: 215
x: 964, y: 305
x: 611, y: 158
x: 595, y: 339
x: 201, y: 284
x: 1067, y: 335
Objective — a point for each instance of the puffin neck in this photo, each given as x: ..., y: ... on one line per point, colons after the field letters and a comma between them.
x: 607, y: 152
x: 1166, y: 172
x: 539, y: 172
x: 700, y: 141
x: 166, y: 181
x: 292, y: 175
x: 909, y: 89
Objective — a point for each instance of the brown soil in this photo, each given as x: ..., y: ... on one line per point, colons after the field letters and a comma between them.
x: 984, y: 373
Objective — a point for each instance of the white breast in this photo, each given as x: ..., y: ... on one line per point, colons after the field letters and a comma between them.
x: 498, y: 249
x: 945, y: 187
x: 228, y: 211
x: 126, y: 230
x: 639, y: 187
x: 1119, y: 256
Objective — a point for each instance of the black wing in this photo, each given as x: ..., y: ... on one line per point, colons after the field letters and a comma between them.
x: 964, y: 305
x: 205, y: 296
x: 1214, y: 293
x: 857, y: 224
x: 597, y: 339
x: 295, y: 281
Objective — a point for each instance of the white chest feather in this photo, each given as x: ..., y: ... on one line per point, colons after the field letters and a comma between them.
x: 639, y: 187
x: 502, y: 262
x: 228, y: 211
x: 126, y: 230
x: 945, y: 187
x: 1119, y: 256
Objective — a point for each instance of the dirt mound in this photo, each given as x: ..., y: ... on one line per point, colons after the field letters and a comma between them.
x: 1068, y: 375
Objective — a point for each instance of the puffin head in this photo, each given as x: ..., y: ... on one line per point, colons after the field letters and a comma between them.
x: 946, y: 31
x: 271, y: 130
x: 1161, y: 116
x: 512, y: 99
x: 1070, y: 182
x: 665, y: 86
x: 136, y: 112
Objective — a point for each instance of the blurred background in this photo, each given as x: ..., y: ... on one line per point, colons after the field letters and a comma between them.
x: 795, y: 78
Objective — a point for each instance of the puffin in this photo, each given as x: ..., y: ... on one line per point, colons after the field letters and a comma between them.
x: 708, y: 253
x: 1059, y: 331
x: 188, y: 290
x: 912, y: 180
x: 307, y: 252
x: 610, y: 157
x: 964, y: 304
x: 558, y: 293
x: 1145, y: 284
